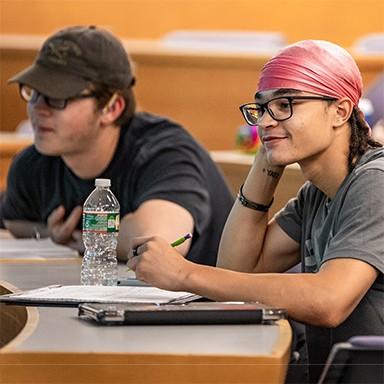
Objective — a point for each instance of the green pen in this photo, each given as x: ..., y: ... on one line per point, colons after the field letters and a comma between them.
x: 181, y: 240
x: 173, y: 244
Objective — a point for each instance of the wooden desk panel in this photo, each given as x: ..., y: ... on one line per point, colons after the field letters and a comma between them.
x: 91, y: 368
x: 10, y: 145
x: 13, y: 319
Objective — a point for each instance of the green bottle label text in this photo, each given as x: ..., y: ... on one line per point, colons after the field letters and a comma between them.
x: 101, y: 221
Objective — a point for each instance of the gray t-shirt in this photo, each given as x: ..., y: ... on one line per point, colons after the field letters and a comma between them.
x: 349, y: 226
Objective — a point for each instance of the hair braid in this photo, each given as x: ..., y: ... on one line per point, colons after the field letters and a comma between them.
x: 360, y: 140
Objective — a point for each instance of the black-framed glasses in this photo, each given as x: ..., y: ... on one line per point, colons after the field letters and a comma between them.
x: 279, y: 108
x: 30, y: 95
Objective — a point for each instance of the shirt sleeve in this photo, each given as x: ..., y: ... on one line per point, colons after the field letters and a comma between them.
x: 20, y: 200
x: 290, y: 217
x: 359, y: 230
x: 175, y: 174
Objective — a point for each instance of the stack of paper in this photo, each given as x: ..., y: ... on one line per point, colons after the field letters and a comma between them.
x: 72, y: 295
x: 40, y: 249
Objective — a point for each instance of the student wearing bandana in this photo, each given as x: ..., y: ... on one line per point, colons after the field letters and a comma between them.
x: 306, y: 110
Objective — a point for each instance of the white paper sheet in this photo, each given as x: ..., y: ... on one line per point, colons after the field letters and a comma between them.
x: 74, y: 294
x: 11, y: 248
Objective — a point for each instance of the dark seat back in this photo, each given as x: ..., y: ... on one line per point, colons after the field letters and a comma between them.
x: 360, y: 360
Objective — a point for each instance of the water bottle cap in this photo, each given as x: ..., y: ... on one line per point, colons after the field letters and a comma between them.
x: 102, y: 183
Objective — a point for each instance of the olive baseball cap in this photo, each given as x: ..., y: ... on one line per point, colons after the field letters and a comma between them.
x: 72, y: 58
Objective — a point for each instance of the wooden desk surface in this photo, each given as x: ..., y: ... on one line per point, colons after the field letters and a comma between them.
x: 57, y: 347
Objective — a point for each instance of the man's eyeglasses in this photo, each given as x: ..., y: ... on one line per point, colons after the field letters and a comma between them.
x: 279, y: 108
x: 30, y: 95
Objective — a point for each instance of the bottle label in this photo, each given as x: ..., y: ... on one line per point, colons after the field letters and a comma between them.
x: 101, y: 221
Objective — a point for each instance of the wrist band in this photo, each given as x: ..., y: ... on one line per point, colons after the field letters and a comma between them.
x: 251, y: 204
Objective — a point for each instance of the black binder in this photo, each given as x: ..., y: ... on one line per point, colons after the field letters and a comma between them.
x: 189, y: 313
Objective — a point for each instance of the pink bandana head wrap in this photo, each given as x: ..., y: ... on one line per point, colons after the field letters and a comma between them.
x: 314, y: 66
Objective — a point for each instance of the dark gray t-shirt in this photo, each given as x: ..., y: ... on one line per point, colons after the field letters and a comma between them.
x: 155, y: 159
x: 349, y: 226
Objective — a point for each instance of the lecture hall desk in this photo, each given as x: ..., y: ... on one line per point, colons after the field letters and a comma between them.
x: 51, y: 345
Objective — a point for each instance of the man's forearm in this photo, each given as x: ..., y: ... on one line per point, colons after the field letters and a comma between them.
x: 26, y: 229
x: 314, y: 298
x: 243, y: 236
x: 154, y: 217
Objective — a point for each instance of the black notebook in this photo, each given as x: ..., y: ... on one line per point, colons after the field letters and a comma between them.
x: 190, y: 313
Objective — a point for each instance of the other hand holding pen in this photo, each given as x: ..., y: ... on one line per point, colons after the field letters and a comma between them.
x: 158, y: 263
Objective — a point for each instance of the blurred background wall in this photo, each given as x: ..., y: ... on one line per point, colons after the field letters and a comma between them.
x: 342, y: 21
x: 201, y: 89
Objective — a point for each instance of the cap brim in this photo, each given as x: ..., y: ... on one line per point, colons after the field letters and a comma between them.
x: 50, y: 82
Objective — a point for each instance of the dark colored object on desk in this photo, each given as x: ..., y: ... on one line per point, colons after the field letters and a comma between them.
x: 132, y: 282
x: 360, y: 360
x: 174, y: 314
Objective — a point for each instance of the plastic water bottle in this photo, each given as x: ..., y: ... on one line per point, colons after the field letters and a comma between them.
x: 101, y: 219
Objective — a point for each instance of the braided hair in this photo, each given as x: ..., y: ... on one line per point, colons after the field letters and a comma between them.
x: 360, y: 140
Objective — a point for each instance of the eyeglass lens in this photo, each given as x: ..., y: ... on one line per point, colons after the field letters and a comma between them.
x: 279, y: 109
x: 31, y: 95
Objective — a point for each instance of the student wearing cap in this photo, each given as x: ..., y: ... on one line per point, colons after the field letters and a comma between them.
x: 82, y: 109
x: 306, y: 110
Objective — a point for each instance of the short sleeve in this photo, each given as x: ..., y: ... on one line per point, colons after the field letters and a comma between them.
x: 20, y: 201
x: 290, y: 218
x: 359, y: 229
x: 175, y: 174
